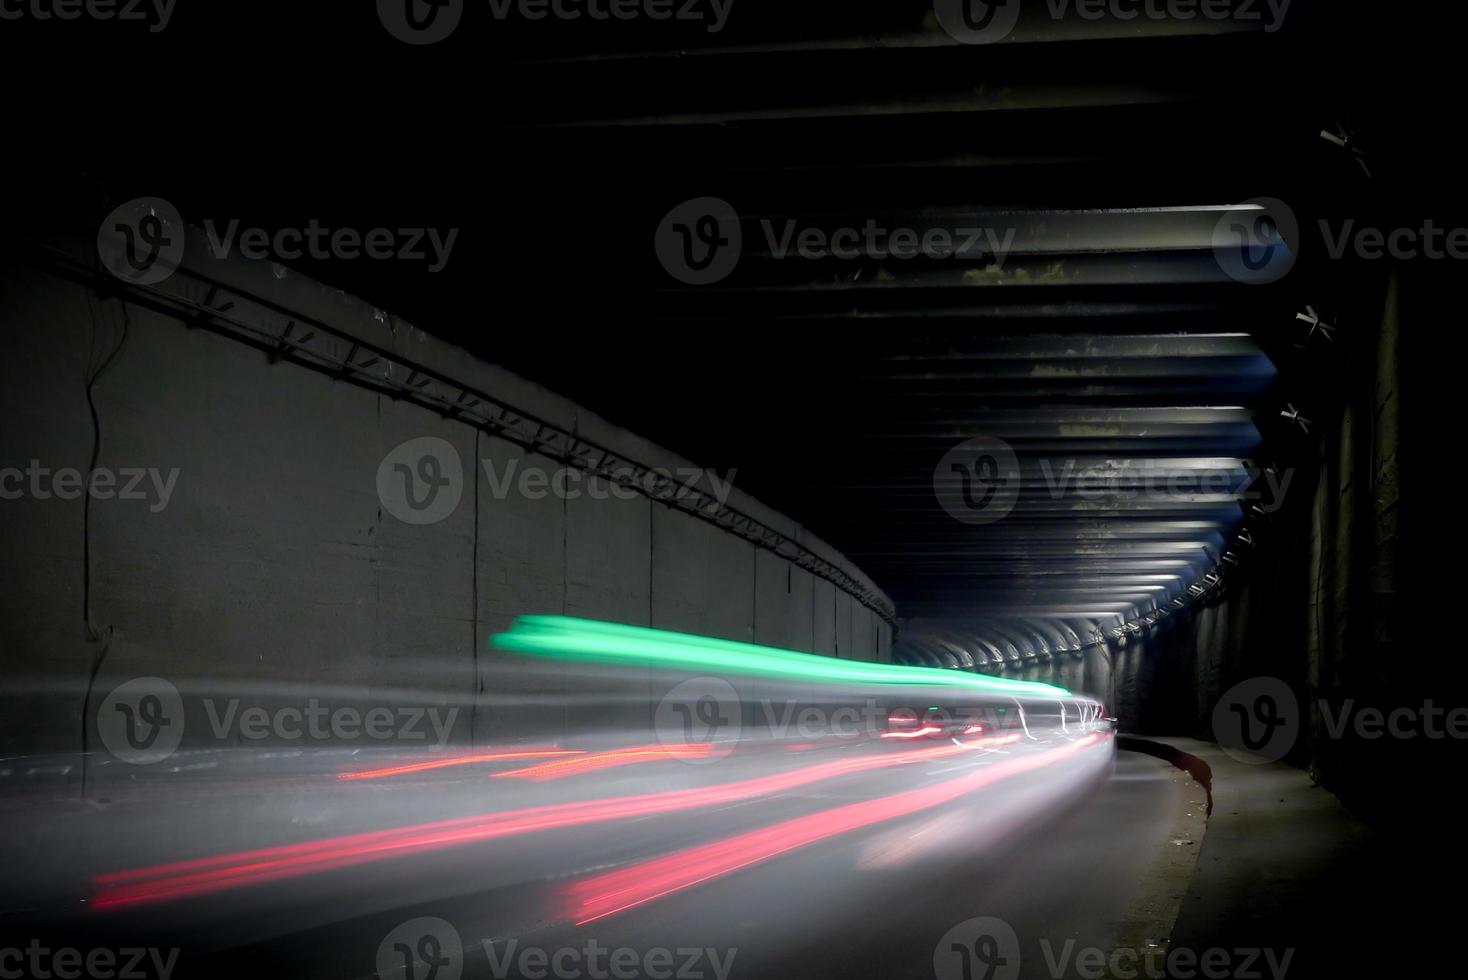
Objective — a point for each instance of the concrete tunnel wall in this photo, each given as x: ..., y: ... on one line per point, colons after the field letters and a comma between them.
x: 1318, y: 606
x: 274, y: 559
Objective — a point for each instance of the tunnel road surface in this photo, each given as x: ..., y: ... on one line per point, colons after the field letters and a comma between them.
x: 1007, y: 862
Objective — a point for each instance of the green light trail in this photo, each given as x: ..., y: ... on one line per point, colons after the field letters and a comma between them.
x: 568, y: 638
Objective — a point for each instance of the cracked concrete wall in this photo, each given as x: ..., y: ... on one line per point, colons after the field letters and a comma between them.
x: 274, y: 559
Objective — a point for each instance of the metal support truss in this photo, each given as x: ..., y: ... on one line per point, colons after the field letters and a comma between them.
x: 308, y: 343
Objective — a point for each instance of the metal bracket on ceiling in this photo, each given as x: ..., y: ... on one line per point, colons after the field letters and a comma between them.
x: 1292, y: 413
x: 1346, y: 140
x: 1316, y: 325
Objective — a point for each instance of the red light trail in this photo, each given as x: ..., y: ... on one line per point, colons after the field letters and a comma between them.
x: 224, y: 871
x: 596, y: 761
x: 456, y: 760
x: 617, y: 891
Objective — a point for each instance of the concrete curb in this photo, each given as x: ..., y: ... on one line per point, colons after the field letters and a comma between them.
x: 1186, y: 761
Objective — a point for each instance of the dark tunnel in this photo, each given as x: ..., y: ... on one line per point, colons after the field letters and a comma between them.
x: 718, y: 489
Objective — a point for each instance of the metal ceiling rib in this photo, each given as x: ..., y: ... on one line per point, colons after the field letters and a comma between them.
x: 1091, y: 330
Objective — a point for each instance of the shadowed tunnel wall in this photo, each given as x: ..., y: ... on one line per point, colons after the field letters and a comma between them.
x: 1318, y: 605
x: 274, y: 559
